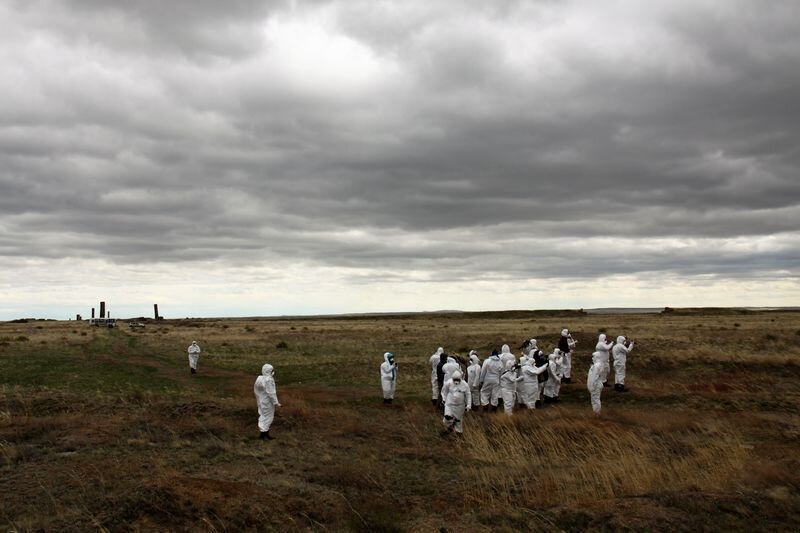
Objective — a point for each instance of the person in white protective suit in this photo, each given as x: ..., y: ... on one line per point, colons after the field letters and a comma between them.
x: 540, y: 360
x: 519, y: 396
x: 388, y: 377
x: 449, y: 368
x: 525, y: 347
x: 490, y: 381
x: 508, y: 386
x: 506, y: 355
x: 594, y: 382
x: 555, y: 371
x: 474, y: 378
x: 620, y: 352
x: 266, y: 399
x: 603, y: 347
x: 434, y: 362
x: 194, y: 356
x: 566, y: 344
x: 529, y: 388
x: 457, y: 399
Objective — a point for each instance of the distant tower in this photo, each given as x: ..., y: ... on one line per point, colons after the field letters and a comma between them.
x: 102, y: 309
x: 155, y: 310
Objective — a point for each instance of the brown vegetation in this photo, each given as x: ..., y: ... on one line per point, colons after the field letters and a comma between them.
x: 106, y: 429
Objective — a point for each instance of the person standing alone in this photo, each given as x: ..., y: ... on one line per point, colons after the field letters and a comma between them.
x: 388, y: 377
x: 266, y: 399
x: 194, y: 356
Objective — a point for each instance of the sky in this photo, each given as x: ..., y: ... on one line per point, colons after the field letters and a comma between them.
x: 247, y: 158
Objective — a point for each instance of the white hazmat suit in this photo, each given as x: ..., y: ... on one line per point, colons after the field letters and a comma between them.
x: 555, y: 371
x: 620, y: 353
x: 603, y: 347
x: 566, y: 344
x: 506, y: 355
x: 529, y: 388
x: 474, y: 378
x: 519, y: 396
x: 449, y: 368
x: 490, y: 380
x: 266, y: 399
x: 434, y: 361
x: 594, y: 382
x: 388, y: 377
x: 457, y: 400
x: 508, y: 387
x: 194, y: 356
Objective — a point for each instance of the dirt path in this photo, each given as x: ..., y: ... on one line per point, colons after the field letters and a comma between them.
x: 234, y: 380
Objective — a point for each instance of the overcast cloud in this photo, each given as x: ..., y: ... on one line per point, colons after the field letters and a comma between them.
x: 251, y: 157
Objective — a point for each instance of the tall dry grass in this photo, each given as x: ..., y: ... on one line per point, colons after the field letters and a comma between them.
x: 566, y: 460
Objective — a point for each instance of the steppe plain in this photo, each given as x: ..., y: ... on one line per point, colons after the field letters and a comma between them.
x: 105, y: 429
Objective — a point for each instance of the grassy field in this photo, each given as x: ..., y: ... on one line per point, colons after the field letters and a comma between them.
x: 106, y: 429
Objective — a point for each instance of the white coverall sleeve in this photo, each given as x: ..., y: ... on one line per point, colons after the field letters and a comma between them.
x: 484, y: 368
x: 446, y: 390
x: 272, y: 393
x: 468, y: 398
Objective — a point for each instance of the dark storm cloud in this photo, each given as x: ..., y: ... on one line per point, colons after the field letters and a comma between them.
x: 532, y: 139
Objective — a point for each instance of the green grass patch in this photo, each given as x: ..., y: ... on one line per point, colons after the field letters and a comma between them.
x: 69, y: 372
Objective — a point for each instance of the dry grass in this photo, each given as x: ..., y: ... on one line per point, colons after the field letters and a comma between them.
x: 575, y: 459
x: 107, y: 430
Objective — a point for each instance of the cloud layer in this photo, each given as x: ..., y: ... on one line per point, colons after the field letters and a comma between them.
x: 405, y: 142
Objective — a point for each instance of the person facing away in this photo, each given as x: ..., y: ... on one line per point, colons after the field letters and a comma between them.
x: 555, y: 372
x: 440, y: 375
x: 506, y: 355
x: 540, y: 359
x: 603, y: 347
x: 474, y: 378
x: 508, y: 386
x: 594, y: 381
x: 490, y: 381
x: 388, y: 377
x: 266, y: 399
x: 434, y: 362
x: 620, y: 352
x: 448, y: 368
x: 194, y: 356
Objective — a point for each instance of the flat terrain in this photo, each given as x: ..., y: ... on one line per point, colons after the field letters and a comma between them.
x: 106, y: 429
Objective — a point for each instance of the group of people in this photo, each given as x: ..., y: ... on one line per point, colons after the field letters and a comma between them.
x: 530, y: 382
